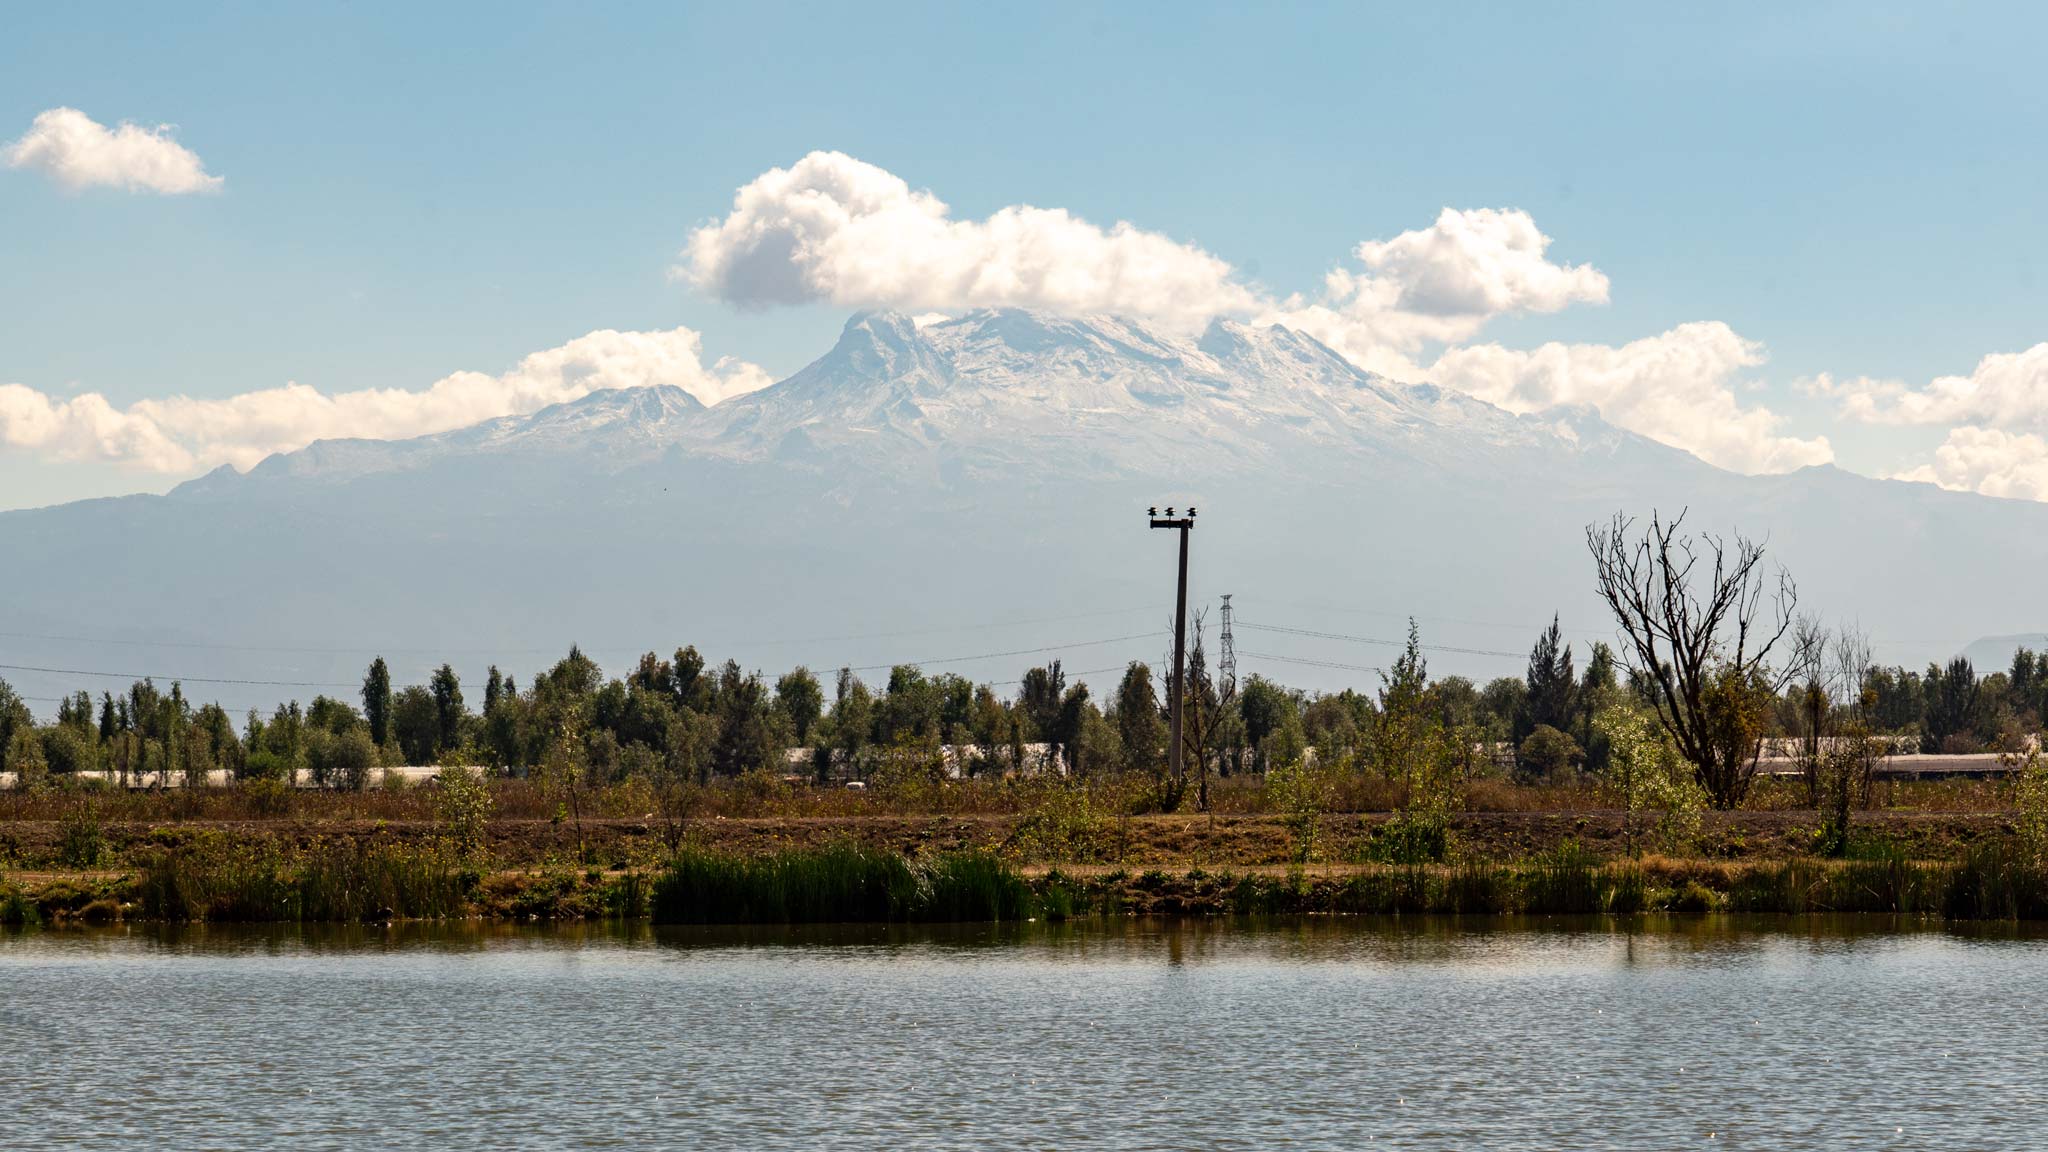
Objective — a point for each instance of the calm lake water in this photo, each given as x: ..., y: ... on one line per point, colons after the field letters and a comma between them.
x: 1316, y: 1034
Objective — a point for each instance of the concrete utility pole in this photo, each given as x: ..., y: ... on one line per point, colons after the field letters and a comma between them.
x: 1186, y: 524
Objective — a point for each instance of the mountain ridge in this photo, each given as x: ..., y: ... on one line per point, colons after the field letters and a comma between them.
x: 990, y: 466
x: 1002, y: 384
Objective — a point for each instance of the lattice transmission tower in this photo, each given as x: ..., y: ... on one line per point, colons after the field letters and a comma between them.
x: 1226, y: 661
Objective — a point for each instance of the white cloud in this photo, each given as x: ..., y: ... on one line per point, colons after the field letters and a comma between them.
x: 834, y: 229
x: 1997, y: 417
x: 1988, y: 460
x: 181, y: 433
x: 1677, y: 387
x: 79, y: 152
x: 1442, y: 284
x: 831, y: 228
x: 2007, y: 388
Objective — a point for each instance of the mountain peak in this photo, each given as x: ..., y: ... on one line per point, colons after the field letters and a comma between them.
x: 998, y: 388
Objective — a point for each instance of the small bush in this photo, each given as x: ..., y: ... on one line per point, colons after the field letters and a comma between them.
x: 84, y: 845
x: 1695, y: 898
x: 462, y: 807
x: 268, y: 795
x: 1411, y: 837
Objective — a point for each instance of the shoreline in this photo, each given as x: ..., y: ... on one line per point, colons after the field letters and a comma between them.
x: 850, y: 884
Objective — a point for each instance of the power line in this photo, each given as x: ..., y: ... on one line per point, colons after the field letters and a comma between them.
x: 172, y: 678
x: 388, y: 650
x: 1081, y: 672
x: 180, y: 679
x: 1313, y: 663
x: 1318, y: 607
x: 996, y: 655
x: 1376, y: 640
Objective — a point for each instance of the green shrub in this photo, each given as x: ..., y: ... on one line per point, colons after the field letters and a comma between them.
x: 83, y: 844
x: 1695, y: 898
x: 1410, y: 837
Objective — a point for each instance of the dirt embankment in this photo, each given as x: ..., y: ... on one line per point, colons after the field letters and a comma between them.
x: 1171, y: 841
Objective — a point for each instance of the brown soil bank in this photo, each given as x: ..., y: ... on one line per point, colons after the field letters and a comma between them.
x: 1156, y: 841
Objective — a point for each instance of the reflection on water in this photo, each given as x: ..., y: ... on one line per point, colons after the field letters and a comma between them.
x: 1341, y: 1033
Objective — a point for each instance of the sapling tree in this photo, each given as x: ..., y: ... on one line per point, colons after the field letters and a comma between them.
x: 462, y: 808
x: 1643, y: 769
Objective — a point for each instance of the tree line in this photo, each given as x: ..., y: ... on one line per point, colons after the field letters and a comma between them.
x: 1696, y: 657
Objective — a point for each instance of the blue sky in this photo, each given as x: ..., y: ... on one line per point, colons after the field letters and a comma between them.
x: 410, y: 193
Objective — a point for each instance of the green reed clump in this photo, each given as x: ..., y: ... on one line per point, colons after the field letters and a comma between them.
x: 1884, y: 880
x: 843, y: 882
x: 1997, y: 881
x: 963, y: 886
x: 213, y: 879
x: 1388, y: 891
x: 16, y: 909
x: 1259, y: 896
x: 347, y: 881
x: 627, y: 897
x: 1566, y: 879
x: 1624, y: 891
x: 1480, y: 889
x: 356, y: 882
x: 1792, y: 886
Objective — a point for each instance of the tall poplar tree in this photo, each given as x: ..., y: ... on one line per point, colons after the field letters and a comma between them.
x: 377, y: 701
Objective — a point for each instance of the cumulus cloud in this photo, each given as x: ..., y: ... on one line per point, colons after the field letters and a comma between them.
x: 1678, y: 387
x: 79, y: 152
x: 1988, y: 460
x: 832, y: 228
x: 1442, y: 284
x: 182, y: 433
x: 2007, y: 388
x: 1997, y: 440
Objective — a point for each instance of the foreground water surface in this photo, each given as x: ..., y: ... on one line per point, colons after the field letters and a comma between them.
x: 1311, y: 1034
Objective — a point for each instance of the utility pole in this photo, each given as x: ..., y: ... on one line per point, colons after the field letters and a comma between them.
x: 1185, y: 524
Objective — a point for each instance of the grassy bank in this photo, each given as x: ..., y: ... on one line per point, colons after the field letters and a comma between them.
x: 846, y: 882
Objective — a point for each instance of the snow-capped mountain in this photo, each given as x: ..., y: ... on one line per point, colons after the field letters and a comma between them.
x: 1106, y: 398
x: 940, y: 489
x: 996, y: 390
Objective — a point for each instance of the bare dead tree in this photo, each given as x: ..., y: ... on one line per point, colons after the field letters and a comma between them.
x: 1691, y: 612
x: 1809, y: 668
x: 1862, y: 750
x: 1838, y: 753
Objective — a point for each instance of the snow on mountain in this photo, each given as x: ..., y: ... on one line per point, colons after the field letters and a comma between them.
x: 958, y: 471
x: 994, y: 391
x: 1102, y: 396
x: 619, y: 427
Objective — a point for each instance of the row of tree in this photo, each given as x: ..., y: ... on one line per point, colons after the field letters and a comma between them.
x: 1696, y: 657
